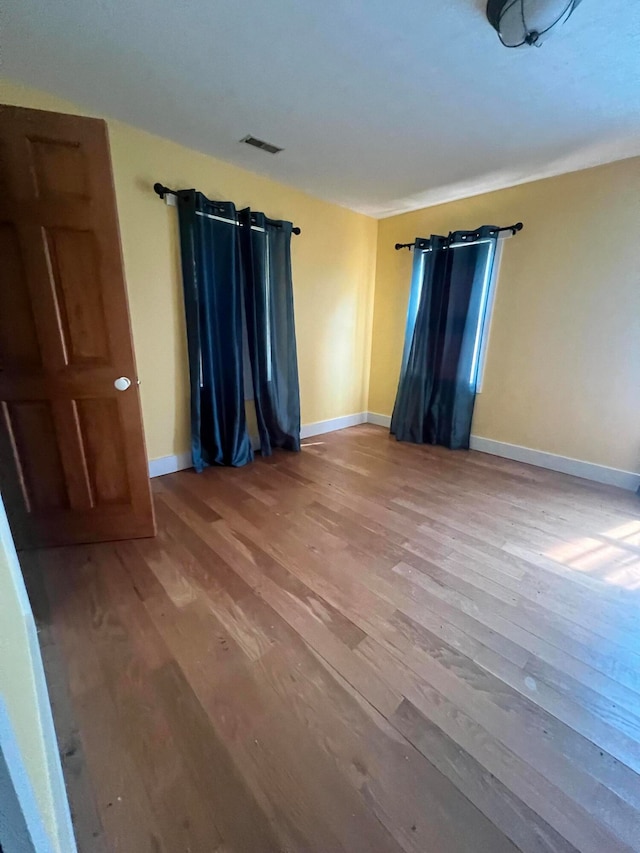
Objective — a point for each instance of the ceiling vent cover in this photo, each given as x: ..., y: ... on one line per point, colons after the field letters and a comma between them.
x: 260, y: 143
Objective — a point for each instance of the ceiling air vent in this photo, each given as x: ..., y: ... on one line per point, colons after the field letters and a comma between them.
x: 259, y: 143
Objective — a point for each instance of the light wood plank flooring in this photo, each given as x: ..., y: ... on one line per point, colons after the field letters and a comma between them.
x: 367, y: 646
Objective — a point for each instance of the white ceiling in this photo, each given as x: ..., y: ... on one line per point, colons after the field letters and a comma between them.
x: 381, y: 106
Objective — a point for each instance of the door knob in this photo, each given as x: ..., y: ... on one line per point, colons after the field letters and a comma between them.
x: 122, y: 383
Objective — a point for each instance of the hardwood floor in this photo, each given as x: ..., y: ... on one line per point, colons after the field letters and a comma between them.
x: 368, y: 646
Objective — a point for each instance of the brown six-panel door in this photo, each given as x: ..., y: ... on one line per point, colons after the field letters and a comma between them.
x: 73, y: 465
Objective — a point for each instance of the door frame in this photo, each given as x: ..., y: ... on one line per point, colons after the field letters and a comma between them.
x: 26, y: 820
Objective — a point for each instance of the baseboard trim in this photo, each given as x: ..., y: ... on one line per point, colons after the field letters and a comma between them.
x: 553, y: 462
x: 320, y: 427
x: 379, y: 420
x: 169, y: 464
x: 540, y: 458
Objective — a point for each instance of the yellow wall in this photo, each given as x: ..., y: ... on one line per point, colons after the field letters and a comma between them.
x: 563, y: 364
x: 562, y: 370
x: 333, y: 269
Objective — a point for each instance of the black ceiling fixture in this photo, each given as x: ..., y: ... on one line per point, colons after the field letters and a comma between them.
x: 527, y: 22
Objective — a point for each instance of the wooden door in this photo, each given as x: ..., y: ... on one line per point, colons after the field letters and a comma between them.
x: 73, y: 465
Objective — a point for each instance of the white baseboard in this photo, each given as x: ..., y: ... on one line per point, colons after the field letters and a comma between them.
x: 169, y: 464
x: 180, y: 461
x: 379, y: 420
x: 564, y: 464
x: 540, y: 458
x: 320, y: 427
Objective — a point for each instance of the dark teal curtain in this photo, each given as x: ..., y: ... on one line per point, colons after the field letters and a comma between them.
x: 236, y: 270
x: 271, y: 333
x: 437, y: 388
x: 213, y: 301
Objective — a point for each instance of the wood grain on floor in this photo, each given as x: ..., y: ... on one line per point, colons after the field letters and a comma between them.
x: 367, y: 646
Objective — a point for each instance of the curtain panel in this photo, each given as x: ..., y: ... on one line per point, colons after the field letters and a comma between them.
x: 271, y: 334
x: 437, y: 388
x: 237, y: 281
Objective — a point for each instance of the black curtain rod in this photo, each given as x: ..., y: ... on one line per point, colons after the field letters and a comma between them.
x: 513, y: 228
x: 162, y: 191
